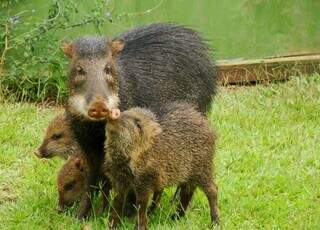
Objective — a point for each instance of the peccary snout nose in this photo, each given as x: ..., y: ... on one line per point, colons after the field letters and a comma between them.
x: 98, y: 110
x: 41, y: 152
x: 37, y: 153
x: 61, y: 208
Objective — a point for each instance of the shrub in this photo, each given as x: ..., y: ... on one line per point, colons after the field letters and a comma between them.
x: 31, y: 66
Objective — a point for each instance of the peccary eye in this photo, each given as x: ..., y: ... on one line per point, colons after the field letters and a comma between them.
x: 80, y: 70
x: 56, y: 136
x: 69, y: 186
x: 79, y: 79
x: 137, y: 122
x: 107, y: 69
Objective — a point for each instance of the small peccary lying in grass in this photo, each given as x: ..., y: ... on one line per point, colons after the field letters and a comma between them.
x: 72, y: 181
x: 59, y: 139
x: 149, y: 155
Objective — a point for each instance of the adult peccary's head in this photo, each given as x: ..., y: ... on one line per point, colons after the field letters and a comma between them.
x: 58, y: 140
x: 93, y: 80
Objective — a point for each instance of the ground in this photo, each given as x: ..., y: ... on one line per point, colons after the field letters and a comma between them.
x: 267, y: 164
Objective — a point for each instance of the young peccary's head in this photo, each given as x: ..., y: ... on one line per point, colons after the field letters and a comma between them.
x: 134, y: 130
x: 72, y: 181
x: 93, y: 80
x: 59, y: 140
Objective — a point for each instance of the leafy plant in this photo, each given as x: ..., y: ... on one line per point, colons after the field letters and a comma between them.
x: 31, y: 66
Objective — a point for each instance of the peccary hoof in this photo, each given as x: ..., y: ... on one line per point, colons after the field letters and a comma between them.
x: 129, y: 211
x: 175, y: 216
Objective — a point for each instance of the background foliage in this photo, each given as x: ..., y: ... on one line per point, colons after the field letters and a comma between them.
x: 33, y: 68
x: 267, y: 165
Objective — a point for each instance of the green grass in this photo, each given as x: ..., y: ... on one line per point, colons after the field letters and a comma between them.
x: 267, y: 164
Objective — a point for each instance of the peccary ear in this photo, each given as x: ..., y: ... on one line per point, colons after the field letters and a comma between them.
x: 79, y: 165
x: 68, y: 48
x: 117, y: 45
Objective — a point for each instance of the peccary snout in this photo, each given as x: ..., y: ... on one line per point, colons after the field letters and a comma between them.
x: 42, y: 151
x: 61, y: 207
x: 98, y: 110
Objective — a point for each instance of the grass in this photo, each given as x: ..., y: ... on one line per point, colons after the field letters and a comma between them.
x: 267, y: 164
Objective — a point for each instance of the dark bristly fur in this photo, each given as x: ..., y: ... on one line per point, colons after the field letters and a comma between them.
x: 163, y: 63
x: 159, y: 63
x: 149, y: 155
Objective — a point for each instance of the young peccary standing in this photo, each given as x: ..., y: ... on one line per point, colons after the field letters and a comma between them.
x: 149, y: 155
x: 59, y: 139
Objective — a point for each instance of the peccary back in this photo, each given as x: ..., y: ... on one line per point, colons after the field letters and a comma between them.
x: 165, y: 62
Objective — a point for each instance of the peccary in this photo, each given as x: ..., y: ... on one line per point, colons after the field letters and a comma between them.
x: 149, y: 155
x: 59, y: 139
x: 72, y: 182
x: 147, y: 66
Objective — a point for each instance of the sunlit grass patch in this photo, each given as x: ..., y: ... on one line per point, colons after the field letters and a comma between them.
x: 267, y: 164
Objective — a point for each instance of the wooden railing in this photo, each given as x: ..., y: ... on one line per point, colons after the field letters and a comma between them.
x: 267, y: 69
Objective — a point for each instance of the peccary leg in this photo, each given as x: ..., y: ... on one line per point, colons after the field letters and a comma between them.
x: 155, y: 200
x: 142, y: 205
x: 117, y: 209
x: 85, y: 202
x: 211, y: 191
x: 176, y: 194
x: 84, y: 207
x: 106, y: 187
x: 130, y: 209
x: 186, y: 194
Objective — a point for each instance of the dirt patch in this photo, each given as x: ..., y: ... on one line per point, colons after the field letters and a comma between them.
x: 7, y: 194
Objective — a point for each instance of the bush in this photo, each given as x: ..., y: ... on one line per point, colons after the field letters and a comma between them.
x: 31, y: 65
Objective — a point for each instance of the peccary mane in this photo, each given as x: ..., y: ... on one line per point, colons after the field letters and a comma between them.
x: 173, y: 41
x: 169, y: 53
x: 91, y: 47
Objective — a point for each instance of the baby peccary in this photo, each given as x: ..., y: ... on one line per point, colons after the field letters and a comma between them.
x: 73, y: 177
x: 148, y: 155
x: 72, y: 181
x: 59, y: 140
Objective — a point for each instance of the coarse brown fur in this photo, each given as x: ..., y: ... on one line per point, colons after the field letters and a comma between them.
x: 149, y: 155
x: 72, y: 182
x: 59, y: 139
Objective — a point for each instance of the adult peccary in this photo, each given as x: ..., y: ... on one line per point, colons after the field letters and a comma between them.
x: 148, y: 155
x: 147, y: 66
